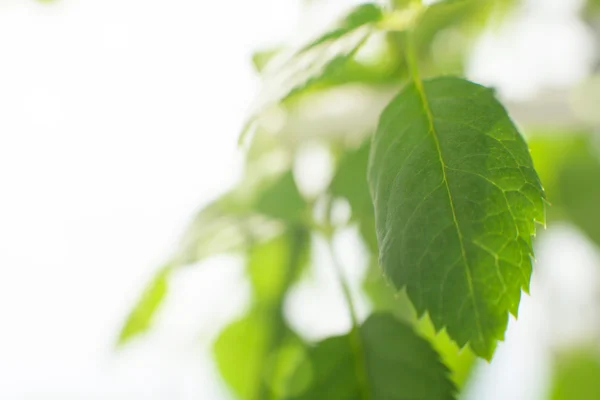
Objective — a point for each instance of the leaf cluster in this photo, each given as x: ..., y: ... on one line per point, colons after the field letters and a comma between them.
x: 440, y: 185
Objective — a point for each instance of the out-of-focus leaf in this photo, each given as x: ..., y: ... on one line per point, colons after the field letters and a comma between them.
x: 140, y: 318
x: 459, y: 361
x: 577, y: 376
x: 323, y: 57
x: 551, y: 151
x: 569, y: 165
x: 456, y: 199
x: 363, y: 14
x: 282, y: 200
x: 248, y: 363
x: 592, y: 7
x: 579, y: 185
x: 350, y: 183
x: 392, y: 362
x: 467, y: 18
x: 384, y: 298
x: 242, y: 217
x: 383, y: 67
x: 400, y: 4
x: 260, y: 59
x: 240, y: 353
x: 267, y: 263
x: 231, y: 223
x: 350, y: 180
x: 443, y: 14
x: 225, y: 225
x: 256, y: 354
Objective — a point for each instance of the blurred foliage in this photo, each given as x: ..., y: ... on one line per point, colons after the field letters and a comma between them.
x: 256, y: 353
x: 392, y: 363
x: 249, y: 215
x: 331, y: 91
x: 577, y: 376
x: 141, y: 316
x: 569, y: 166
x: 361, y: 15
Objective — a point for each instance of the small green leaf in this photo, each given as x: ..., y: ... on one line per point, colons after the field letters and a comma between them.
x: 399, y: 365
x: 456, y: 199
x: 140, y: 318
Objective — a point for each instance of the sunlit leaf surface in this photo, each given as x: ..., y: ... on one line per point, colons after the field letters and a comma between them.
x: 456, y: 199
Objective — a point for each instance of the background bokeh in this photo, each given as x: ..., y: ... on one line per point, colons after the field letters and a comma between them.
x: 119, y: 119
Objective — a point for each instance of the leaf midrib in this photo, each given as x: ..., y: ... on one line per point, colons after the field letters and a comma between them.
x: 425, y: 103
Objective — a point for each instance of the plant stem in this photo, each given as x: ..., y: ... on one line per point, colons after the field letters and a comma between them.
x: 411, y: 57
x: 297, y: 241
x: 343, y: 283
x: 355, y: 335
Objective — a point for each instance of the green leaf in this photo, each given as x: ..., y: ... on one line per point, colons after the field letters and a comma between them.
x: 247, y: 361
x: 398, y: 365
x: 456, y: 199
x: 274, y: 265
x: 577, y: 376
x: 140, y: 318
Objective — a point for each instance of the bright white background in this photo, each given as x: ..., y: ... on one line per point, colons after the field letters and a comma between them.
x: 117, y: 120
